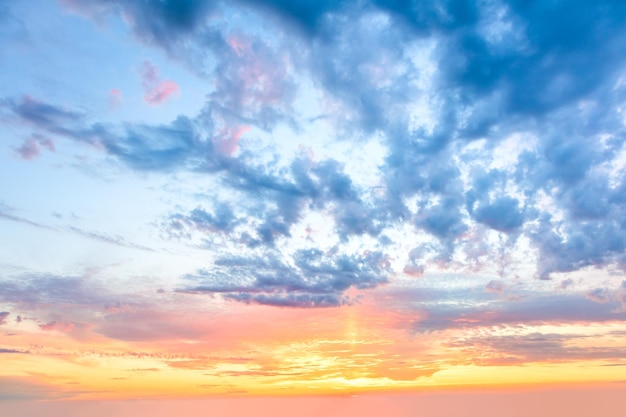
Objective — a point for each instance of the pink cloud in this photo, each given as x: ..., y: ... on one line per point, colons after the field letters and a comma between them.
x: 494, y: 286
x: 29, y: 150
x: 3, y: 317
x: 115, y: 98
x: 254, y: 77
x: 230, y: 139
x: 414, y: 270
x: 59, y: 326
x: 156, y: 90
x: 161, y: 92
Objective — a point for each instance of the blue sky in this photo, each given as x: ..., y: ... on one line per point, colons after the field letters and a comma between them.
x: 458, y: 164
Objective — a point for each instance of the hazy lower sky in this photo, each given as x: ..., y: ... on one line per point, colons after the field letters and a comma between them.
x: 248, y: 200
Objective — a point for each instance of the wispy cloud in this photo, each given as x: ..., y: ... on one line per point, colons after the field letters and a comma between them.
x: 157, y: 90
x: 31, y: 148
x: 115, y: 98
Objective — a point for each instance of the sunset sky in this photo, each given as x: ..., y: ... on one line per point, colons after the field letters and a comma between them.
x: 332, y: 205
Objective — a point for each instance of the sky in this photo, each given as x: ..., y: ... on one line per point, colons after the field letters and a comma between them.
x: 323, y: 205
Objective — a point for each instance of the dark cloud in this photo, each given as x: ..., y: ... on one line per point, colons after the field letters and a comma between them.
x: 3, y: 317
x: 444, y: 15
x: 164, y: 23
x: 307, y: 14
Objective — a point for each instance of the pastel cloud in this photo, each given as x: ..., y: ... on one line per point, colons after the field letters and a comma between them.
x: 59, y: 326
x: 31, y: 148
x: 228, y: 140
x: 157, y: 91
x: 115, y: 98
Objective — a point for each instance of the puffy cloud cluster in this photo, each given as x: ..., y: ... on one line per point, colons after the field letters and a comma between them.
x: 501, y: 122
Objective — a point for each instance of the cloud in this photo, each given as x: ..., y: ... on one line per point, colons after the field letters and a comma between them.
x: 59, y: 326
x: 110, y: 239
x: 230, y: 139
x: 42, y: 114
x: 25, y: 388
x: 540, y: 309
x: 30, y: 149
x: 157, y: 91
x: 13, y: 351
x: 599, y: 295
x: 533, y: 347
x: 503, y: 214
x: 312, y: 279
x: 115, y: 98
x: 222, y: 220
x: 414, y: 270
x: 35, y: 289
x: 164, y: 23
x: 306, y: 15
x: 494, y: 286
x: 6, y: 215
x: 3, y: 317
x: 445, y: 87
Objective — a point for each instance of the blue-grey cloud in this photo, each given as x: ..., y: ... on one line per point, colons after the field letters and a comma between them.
x: 3, y: 317
x: 529, y: 310
x: 35, y: 289
x: 311, y: 279
x: 548, y: 73
x: 221, y: 220
x: 42, y: 114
